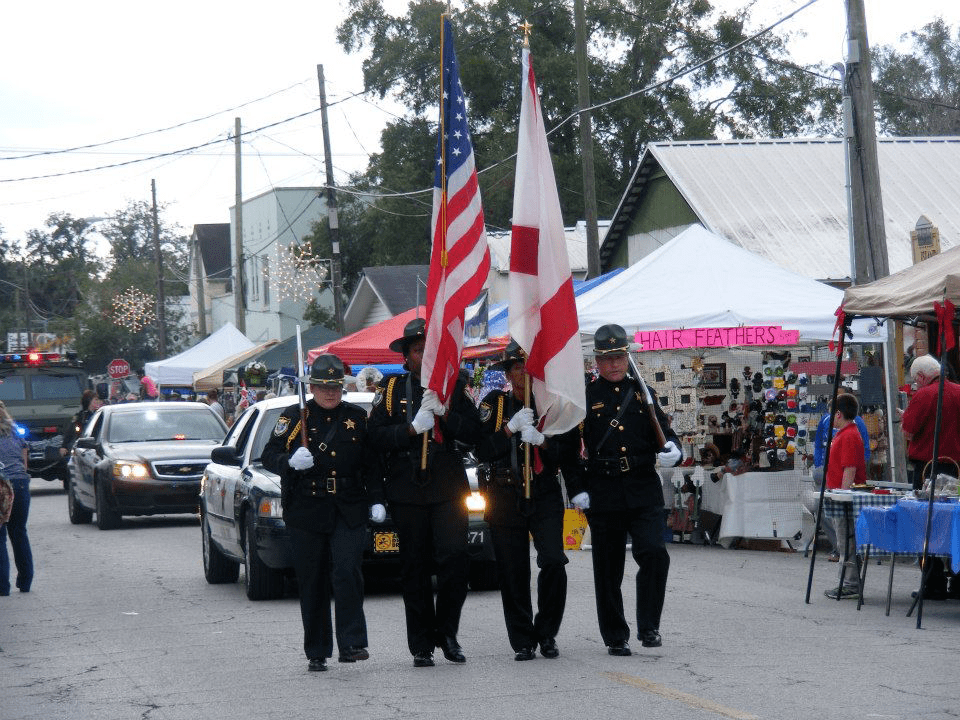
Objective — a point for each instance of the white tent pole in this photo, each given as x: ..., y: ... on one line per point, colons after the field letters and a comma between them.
x: 891, y: 406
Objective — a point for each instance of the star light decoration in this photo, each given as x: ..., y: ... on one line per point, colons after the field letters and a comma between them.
x: 298, y: 274
x: 133, y: 309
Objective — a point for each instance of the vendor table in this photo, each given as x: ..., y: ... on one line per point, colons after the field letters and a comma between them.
x: 758, y: 504
x: 850, y: 504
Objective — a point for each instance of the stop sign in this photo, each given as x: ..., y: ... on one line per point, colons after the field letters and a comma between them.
x: 118, y: 368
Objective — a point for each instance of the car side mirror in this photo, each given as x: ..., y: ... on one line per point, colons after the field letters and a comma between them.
x: 86, y: 443
x: 225, y: 455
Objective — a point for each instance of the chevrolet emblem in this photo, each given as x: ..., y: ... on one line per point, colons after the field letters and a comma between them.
x: 185, y: 469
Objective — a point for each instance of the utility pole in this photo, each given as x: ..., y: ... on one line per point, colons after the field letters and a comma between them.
x: 161, y: 295
x: 239, y: 304
x: 331, y: 207
x: 586, y: 143
x: 869, y: 234
x: 200, y: 285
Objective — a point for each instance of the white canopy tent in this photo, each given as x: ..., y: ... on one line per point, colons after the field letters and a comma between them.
x: 700, y: 280
x: 179, y: 369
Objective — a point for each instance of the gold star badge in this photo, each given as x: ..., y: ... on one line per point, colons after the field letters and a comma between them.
x: 350, y: 424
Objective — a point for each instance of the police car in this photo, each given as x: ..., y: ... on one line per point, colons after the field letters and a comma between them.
x: 242, y: 521
x: 42, y: 393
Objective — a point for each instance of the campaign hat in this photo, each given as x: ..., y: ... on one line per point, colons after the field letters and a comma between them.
x: 511, y: 354
x: 325, y: 370
x: 609, y: 339
x: 413, y: 330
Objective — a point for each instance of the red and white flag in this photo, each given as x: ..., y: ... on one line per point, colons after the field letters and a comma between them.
x: 460, y: 258
x: 543, y: 313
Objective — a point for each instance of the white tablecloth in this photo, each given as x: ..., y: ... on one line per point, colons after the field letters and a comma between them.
x: 758, y: 505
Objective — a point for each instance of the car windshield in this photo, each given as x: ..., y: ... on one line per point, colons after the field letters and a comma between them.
x: 152, y: 424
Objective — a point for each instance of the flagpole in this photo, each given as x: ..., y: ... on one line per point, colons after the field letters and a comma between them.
x: 526, y: 446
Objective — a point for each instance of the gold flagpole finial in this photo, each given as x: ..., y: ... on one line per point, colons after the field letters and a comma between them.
x: 526, y: 27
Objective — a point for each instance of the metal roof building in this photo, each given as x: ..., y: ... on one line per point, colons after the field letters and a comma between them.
x: 784, y: 200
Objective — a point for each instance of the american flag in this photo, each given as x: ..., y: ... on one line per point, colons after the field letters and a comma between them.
x: 543, y: 313
x: 460, y: 259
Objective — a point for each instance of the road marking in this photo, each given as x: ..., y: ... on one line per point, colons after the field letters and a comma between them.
x: 682, y: 697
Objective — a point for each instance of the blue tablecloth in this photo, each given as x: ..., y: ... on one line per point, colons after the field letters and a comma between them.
x: 901, y: 528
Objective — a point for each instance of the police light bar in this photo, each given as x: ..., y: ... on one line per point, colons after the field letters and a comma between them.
x: 40, y: 359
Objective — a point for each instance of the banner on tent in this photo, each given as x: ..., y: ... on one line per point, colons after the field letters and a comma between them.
x: 681, y: 338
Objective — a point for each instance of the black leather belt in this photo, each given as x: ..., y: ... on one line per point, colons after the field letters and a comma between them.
x: 315, y: 487
x: 503, y: 476
x: 616, y: 466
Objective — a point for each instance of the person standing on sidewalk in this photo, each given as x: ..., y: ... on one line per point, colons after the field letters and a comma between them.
x: 622, y: 494
x: 326, y: 489
x: 13, y: 455
x: 514, y: 519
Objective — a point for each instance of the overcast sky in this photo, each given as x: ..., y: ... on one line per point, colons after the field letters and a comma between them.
x: 84, y: 73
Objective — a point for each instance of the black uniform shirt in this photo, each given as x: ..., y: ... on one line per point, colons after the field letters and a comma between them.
x: 345, y: 477
x: 620, y: 468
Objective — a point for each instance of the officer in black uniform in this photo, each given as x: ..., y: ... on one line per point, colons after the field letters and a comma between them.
x: 326, y: 490
x: 621, y: 492
x: 428, y: 506
x: 513, y: 518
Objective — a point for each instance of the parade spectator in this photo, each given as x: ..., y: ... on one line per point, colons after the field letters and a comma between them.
x: 846, y: 468
x: 326, y: 490
x: 13, y: 455
x: 213, y: 402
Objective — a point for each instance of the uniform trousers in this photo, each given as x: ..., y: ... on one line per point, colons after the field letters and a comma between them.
x: 432, y: 537
x: 312, y: 552
x: 646, y: 526
x: 16, y: 528
x: 511, y: 546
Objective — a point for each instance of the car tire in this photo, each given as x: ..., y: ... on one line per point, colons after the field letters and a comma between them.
x: 261, y: 581
x: 217, y: 567
x: 79, y: 515
x: 107, y: 517
x: 483, y: 575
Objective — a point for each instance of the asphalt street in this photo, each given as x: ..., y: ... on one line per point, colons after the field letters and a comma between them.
x: 121, y: 624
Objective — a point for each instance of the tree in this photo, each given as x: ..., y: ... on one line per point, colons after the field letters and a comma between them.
x: 634, y: 44
x: 919, y: 93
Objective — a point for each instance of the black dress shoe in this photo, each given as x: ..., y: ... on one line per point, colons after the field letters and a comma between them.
x: 525, y: 654
x: 317, y: 665
x: 451, y: 650
x: 549, y: 649
x: 939, y: 594
x: 423, y: 659
x: 353, y: 653
x: 651, y: 638
x: 620, y: 649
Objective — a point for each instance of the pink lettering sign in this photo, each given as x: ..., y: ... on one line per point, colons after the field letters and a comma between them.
x: 678, y: 339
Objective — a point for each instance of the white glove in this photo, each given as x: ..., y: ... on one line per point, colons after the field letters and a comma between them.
x: 302, y: 459
x: 423, y: 420
x: 378, y: 513
x: 581, y: 501
x: 531, y: 435
x: 432, y: 403
x: 523, y: 418
x: 670, y: 455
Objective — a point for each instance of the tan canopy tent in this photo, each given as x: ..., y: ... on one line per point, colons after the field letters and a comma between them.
x: 212, y: 377
x: 911, y: 291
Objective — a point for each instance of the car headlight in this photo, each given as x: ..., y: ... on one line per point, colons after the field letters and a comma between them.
x: 130, y: 471
x: 270, y: 507
x: 476, y: 502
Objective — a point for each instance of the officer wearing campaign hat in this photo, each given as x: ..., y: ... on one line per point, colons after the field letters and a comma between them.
x: 621, y: 492
x: 327, y: 488
x: 427, y: 505
x: 507, y: 426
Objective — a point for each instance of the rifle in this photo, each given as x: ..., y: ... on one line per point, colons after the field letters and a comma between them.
x: 661, y: 438
x: 301, y: 392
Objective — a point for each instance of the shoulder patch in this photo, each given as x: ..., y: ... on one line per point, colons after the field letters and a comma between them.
x: 378, y: 397
x: 485, y: 412
x: 282, y: 424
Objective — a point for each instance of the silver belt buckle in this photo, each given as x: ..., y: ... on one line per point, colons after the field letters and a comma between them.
x: 624, y: 465
x: 332, y: 485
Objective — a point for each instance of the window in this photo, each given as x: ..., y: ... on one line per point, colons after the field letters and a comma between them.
x: 56, y: 387
x: 12, y: 387
x: 254, y: 278
x: 266, y: 280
